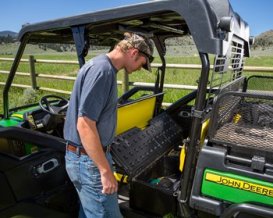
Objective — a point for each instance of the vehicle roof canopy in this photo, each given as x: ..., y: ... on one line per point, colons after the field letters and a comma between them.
x: 212, y: 24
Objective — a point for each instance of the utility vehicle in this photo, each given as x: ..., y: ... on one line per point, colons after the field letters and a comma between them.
x: 209, y: 154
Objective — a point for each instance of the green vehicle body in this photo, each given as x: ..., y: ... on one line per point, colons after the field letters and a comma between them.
x: 236, y: 189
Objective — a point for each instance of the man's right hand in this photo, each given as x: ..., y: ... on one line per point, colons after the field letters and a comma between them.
x: 109, y: 183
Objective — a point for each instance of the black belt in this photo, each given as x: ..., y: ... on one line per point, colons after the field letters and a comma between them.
x: 80, y: 150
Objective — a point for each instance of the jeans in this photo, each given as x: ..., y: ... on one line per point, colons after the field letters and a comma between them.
x: 86, y: 178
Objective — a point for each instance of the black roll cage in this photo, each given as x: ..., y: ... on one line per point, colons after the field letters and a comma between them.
x: 212, y: 24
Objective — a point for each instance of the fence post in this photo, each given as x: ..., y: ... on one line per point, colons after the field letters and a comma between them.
x: 32, y: 72
x: 125, y: 82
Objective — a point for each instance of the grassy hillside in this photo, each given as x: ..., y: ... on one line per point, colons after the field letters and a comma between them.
x: 263, y: 45
x: 264, y: 40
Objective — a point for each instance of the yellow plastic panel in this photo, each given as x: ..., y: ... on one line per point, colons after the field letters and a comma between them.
x: 204, y: 132
x: 135, y: 114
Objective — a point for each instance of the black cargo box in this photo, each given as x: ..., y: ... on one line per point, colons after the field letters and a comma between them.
x: 153, y: 175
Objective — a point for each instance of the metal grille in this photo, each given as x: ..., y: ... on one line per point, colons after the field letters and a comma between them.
x: 243, y: 119
x: 227, y: 68
x: 237, y: 60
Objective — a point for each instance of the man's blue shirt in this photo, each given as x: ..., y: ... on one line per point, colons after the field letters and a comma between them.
x: 95, y: 96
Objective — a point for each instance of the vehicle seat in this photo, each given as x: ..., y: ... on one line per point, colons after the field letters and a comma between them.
x: 136, y: 113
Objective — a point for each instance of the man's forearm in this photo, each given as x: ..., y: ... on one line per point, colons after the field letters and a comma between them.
x: 91, y: 142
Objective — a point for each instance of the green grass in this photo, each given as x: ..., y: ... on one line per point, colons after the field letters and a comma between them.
x: 173, y: 76
x: 262, y: 61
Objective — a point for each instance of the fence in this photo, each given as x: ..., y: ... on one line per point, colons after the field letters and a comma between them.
x: 125, y: 83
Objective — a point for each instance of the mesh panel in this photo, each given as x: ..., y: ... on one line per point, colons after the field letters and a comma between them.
x: 227, y: 68
x: 237, y: 61
x: 243, y: 119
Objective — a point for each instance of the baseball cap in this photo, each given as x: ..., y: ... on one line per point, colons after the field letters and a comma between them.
x: 144, y: 45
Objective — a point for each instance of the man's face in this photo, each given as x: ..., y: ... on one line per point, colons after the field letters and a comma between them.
x: 135, y: 60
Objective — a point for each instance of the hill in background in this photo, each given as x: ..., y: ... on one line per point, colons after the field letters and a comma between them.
x: 8, y: 33
x: 264, y: 40
x: 263, y: 44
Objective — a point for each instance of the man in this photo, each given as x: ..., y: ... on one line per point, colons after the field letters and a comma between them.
x: 91, y: 123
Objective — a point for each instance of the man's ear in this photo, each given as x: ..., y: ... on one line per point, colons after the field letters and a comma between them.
x: 134, y: 52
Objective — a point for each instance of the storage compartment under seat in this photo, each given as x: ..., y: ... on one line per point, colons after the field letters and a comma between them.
x: 141, y: 154
x: 154, y: 189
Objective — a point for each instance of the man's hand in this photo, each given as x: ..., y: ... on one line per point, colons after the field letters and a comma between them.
x: 109, y: 183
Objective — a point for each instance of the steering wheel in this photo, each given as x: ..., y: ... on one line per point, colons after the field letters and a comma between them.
x: 50, y: 107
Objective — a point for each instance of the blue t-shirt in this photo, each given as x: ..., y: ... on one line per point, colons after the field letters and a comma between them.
x: 95, y: 96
